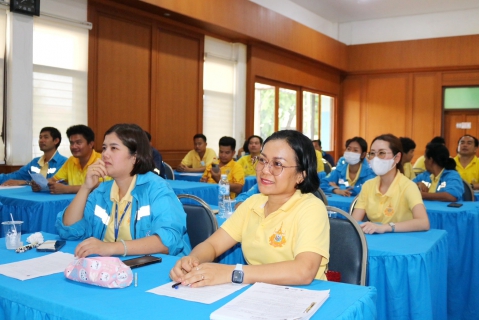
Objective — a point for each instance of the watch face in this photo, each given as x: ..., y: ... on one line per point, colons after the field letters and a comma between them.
x: 29, y: 7
x: 237, y: 276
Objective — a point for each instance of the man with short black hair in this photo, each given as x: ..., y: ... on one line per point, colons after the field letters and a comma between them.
x: 227, y: 166
x: 467, y: 163
x: 326, y: 156
x: 408, y: 146
x: 47, y: 165
x: 199, y: 158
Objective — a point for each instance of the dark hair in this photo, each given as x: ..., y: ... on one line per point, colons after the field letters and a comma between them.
x: 135, y: 139
x: 246, y: 143
x: 394, y: 145
x: 245, y: 146
x: 438, y: 139
x: 148, y: 135
x: 476, y: 142
x: 362, y: 143
x: 54, y: 133
x: 199, y: 135
x: 318, y: 141
x: 407, y: 144
x: 440, y: 155
x: 305, y: 157
x: 85, y: 131
x: 228, y: 142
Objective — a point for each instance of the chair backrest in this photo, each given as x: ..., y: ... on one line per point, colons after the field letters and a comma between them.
x: 351, y: 208
x: 320, y: 194
x: 418, y: 170
x: 468, y: 194
x: 327, y: 166
x: 169, y: 173
x: 348, y: 250
x: 200, y: 220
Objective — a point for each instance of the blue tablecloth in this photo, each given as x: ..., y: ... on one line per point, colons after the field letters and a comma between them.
x: 409, y: 271
x: 462, y: 226
x: 54, y: 297
x: 193, y: 176
x: 206, y: 191
x: 37, y: 210
x: 340, y: 202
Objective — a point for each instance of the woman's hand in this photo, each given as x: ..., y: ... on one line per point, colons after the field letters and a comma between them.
x: 207, y: 274
x: 422, y: 187
x: 371, y: 227
x: 344, y: 193
x: 95, y: 171
x: 182, y: 267
x: 35, y: 187
x: 94, y: 246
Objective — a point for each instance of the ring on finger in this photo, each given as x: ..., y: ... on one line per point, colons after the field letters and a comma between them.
x: 202, y: 277
x: 197, y: 268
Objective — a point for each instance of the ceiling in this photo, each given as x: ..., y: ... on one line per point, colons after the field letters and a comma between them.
x: 340, y: 11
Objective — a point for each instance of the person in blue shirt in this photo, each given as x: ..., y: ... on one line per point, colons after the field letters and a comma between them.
x: 326, y: 156
x: 135, y: 213
x: 441, y: 181
x: 157, y: 158
x: 351, y: 172
x: 47, y: 165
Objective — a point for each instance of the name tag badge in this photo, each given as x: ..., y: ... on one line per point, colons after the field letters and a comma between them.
x: 202, y: 163
x: 442, y: 185
x: 344, y: 182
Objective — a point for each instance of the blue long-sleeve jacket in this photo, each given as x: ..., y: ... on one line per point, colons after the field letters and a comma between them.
x: 450, y: 182
x: 338, y: 176
x: 54, y: 165
x: 155, y: 210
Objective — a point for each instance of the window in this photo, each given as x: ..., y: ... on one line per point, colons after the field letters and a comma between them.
x: 60, y: 62
x: 276, y: 108
x: 3, y: 21
x: 461, y: 98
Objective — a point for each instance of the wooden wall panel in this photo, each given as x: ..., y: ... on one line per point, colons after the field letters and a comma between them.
x: 180, y: 82
x: 350, y: 112
x: 123, y: 74
x: 386, y: 105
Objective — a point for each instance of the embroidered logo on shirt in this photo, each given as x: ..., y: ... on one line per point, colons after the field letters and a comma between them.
x: 442, y: 185
x: 277, y: 239
x: 389, y: 211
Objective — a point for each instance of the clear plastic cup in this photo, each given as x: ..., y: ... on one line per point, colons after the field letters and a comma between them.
x: 13, y: 234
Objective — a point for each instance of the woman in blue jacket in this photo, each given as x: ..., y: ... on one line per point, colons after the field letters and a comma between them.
x: 135, y: 213
x: 350, y: 173
x: 441, y: 181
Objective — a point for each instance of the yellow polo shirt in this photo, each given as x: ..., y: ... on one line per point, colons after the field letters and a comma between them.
x: 408, y: 171
x: 471, y: 172
x: 393, y: 206
x: 124, y: 231
x: 319, y: 158
x: 72, y: 172
x: 247, y: 165
x: 192, y: 158
x: 434, y: 181
x: 234, y: 172
x: 353, y: 182
x: 419, y: 164
x: 300, y: 225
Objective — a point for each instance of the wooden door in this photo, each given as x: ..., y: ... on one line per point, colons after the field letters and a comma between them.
x: 457, y: 124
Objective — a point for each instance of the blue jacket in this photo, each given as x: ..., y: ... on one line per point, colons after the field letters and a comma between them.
x: 155, y: 210
x: 450, y: 182
x: 338, y: 176
x: 245, y: 195
x: 54, y: 165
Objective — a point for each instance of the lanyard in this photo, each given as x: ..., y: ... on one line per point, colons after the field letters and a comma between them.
x: 117, y: 224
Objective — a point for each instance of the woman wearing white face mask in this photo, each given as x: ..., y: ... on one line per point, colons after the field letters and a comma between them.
x: 391, y: 201
x: 352, y: 170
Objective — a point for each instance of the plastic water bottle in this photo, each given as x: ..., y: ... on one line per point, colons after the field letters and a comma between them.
x: 224, y: 202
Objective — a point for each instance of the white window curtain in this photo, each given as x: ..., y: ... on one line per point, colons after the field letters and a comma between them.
x: 3, y: 27
x: 224, y: 78
x: 60, y: 66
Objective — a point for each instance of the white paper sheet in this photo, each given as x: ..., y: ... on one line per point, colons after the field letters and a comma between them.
x: 207, y: 295
x: 189, y: 174
x: 40, y: 180
x: 11, y: 187
x: 37, y: 267
x: 266, y: 301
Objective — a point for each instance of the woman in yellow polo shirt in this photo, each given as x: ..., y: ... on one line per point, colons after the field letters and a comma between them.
x: 391, y: 201
x: 283, y: 231
x: 254, y: 148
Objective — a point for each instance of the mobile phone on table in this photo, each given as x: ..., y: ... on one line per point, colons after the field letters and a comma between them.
x: 141, y: 261
x: 51, y: 245
x: 455, y: 205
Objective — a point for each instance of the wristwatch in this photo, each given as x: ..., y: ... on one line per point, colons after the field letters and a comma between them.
x: 393, y: 226
x: 238, y: 274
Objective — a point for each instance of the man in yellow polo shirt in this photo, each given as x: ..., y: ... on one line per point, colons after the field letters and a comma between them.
x: 198, y: 159
x: 73, y: 172
x: 227, y: 166
x: 467, y: 164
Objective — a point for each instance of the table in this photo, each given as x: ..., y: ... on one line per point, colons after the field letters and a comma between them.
x: 37, y: 210
x: 338, y: 201
x: 206, y: 191
x: 409, y: 271
x: 54, y: 297
x: 462, y: 226
x: 196, y: 176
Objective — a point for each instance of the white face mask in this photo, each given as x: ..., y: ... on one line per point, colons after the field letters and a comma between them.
x: 352, y: 157
x: 382, y: 166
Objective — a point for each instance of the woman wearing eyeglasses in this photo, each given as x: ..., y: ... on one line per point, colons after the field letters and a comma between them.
x: 352, y: 170
x: 391, y: 201
x: 283, y: 231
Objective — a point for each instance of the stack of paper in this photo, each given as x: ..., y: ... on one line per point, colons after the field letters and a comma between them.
x: 267, y: 301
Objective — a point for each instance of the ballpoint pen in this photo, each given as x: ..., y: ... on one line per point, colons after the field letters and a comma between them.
x: 175, y: 286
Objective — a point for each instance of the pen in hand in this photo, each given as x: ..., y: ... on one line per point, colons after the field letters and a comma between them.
x: 175, y: 286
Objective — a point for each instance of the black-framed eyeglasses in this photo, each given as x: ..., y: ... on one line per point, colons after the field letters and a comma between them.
x: 379, y: 154
x: 275, y: 167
